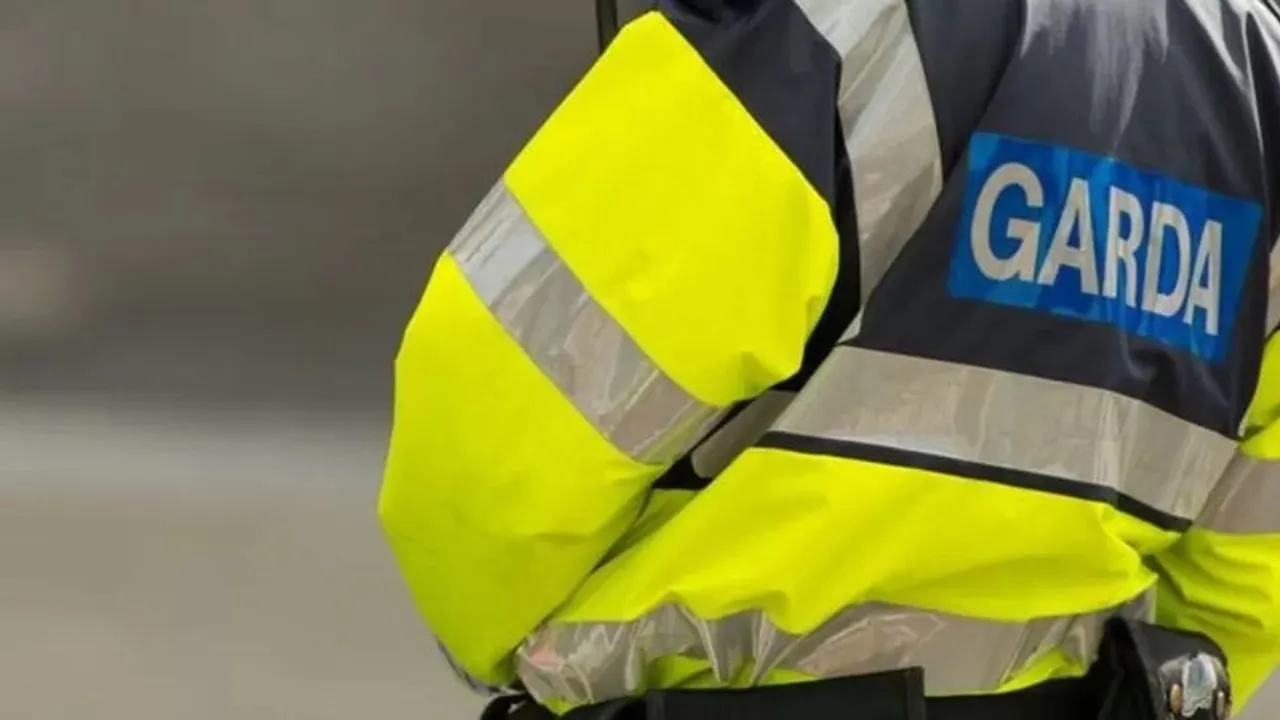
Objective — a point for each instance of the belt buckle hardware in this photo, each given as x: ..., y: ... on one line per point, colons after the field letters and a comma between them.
x: 1198, y: 688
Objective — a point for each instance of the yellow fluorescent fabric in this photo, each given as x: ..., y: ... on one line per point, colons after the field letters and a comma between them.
x: 682, y: 217
x: 1227, y: 585
x: 774, y: 532
x: 661, y: 506
x: 785, y: 547
x: 1262, y: 427
x: 499, y: 496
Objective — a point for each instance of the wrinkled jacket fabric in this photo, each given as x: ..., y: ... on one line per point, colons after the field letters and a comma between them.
x: 822, y: 337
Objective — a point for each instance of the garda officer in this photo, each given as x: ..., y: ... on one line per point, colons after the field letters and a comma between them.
x: 881, y: 359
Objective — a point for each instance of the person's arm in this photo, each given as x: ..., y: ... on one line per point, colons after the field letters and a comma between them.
x: 651, y: 257
x: 1223, y: 577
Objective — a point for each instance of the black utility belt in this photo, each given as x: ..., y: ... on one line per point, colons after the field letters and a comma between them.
x: 1143, y: 672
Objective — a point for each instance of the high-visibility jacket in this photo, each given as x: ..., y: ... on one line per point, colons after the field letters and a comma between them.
x: 822, y: 337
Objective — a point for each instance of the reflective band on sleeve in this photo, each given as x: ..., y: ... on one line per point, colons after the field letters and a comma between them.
x: 580, y: 663
x: 1246, y: 500
x: 1060, y: 437
x: 891, y: 132
x: 740, y: 433
x: 588, y: 356
x: 682, y: 216
x: 1273, y: 289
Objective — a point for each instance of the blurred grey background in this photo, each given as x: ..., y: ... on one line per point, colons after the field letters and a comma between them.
x: 215, y: 217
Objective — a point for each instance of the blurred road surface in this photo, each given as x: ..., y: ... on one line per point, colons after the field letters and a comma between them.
x: 165, y: 566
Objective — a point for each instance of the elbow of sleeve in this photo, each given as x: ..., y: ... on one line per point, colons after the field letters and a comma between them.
x: 1227, y: 587
x: 498, y: 497
x: 624, y: 284
x: 1252, y: 653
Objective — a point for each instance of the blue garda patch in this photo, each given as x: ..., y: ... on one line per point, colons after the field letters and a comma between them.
x: 1059, y: 231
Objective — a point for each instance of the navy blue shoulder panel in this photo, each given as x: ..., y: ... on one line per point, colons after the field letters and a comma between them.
x: 1107, y: 218
x: 964, y: 52
x: 787, y: 76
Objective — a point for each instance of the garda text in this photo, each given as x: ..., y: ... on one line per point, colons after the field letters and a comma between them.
x: 1058, y: 231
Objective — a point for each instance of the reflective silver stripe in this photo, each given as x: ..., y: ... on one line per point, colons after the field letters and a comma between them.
x: 887, y: 113
x: 1246, y: 500
x: 1017, y: 422
x: 1273, y: 292
x: 740, y: 433
x: 589, y: 357
x: 590, y: 662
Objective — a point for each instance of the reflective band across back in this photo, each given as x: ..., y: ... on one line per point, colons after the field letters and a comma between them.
x: 1246, y: 500
x: 1015, y: 423
x: 581, y: 663
x: 593, y: 361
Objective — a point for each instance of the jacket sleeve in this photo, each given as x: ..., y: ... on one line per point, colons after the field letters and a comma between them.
x: 1223, y: 577
x: 650, y: 258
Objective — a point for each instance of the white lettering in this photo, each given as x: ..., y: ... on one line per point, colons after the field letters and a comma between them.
x: 1022, y: 264
x: 1075, y: 216
x: 1123, y: 249
x: 1151, y: 259
x: 1206, y: 279
x: 1165, y: 217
